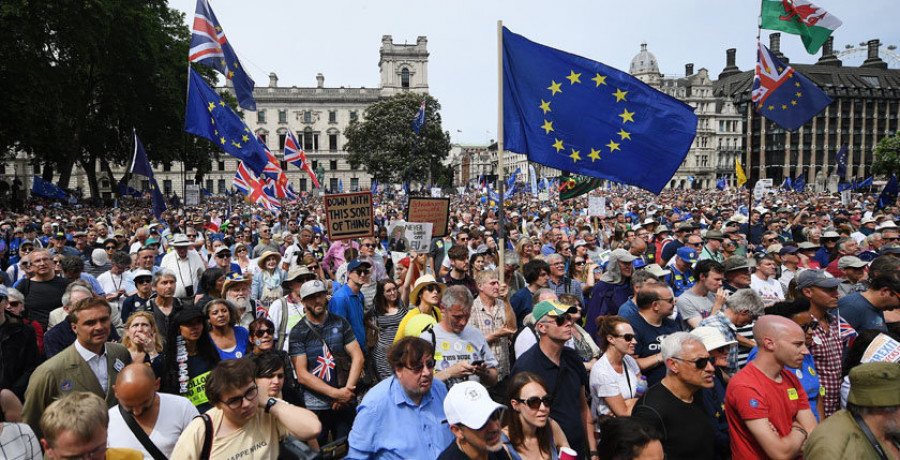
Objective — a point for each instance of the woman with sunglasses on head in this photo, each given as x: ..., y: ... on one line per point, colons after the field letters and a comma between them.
x: 269, y: 360
x: 798, y: 312
x: 529, y: 431
x: 525, y: 249
x: 242, y: 259
x: 616, y: 381
x: 582, y: 270
x: 384, y: 319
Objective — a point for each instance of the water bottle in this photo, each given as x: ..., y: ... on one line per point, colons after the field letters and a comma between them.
x: 641, y: 387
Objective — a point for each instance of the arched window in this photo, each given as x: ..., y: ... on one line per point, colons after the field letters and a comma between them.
x: 404, y: 78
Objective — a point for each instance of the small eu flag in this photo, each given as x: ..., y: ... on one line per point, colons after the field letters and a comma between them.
x: 207, y: 115
x: 888, y: 196
x: 799, y: 183
x: 842, y: 162
x: 578, y: 115
x: 783, y: 95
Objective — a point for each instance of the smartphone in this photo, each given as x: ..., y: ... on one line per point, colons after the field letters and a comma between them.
x: 477, y: 362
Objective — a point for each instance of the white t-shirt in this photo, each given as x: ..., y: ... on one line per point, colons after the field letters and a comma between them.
x: 770, y: 290
x: 469, y: 345
x: 112, y: 283
x: 175, y: 413
x: 606, y: 382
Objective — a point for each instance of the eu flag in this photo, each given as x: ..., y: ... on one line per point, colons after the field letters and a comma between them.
x: 40, y: 187
x: 783, y: 95
x: 140, y: 164
x: 581, y: 116
x: 159, y: 201
x: 888, y: 196
x: 799, y: 183
x: 841, y: 160
x: 207, y: 115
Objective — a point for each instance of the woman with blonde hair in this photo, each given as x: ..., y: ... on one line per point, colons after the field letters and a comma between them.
x: 525, y: 250
x: 266, y: 285
x: 142, y: 339
x: 242, y: 258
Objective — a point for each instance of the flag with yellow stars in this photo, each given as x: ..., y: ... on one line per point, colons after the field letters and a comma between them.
x: 582, y: 116
x: 207, y: 115
x: 782, y: 95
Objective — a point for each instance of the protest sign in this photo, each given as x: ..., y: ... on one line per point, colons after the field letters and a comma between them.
x: 410, y: 236
x: 433, y: 210
x: 349, y: 215
x: 597, y: 206
x: 436, y: 192
x: 882, y: 349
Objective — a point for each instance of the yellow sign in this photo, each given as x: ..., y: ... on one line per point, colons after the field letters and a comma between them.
x: 197, y: 389
x: 792, y: 394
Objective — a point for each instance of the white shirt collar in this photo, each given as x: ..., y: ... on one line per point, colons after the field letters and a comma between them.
x: 86, y: 354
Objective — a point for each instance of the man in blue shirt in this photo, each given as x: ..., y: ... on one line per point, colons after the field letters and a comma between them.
x: 865, y: 310
x: 402, y: 417
x: 651, y: 325
x: 348, y: 302
x: 537, y: 275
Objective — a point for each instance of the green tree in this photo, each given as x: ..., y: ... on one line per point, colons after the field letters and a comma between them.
x: 386, y: 145
x: 887, y: 157
x: 80, y: 75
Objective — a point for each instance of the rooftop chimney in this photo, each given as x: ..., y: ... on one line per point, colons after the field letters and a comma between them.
x: 688, y: 69
x: 273, y: 80
x: 828, y: 57
x: 873, y: 60
x: 320, y: 80
x: 775, y: 47
x: 730, y: 67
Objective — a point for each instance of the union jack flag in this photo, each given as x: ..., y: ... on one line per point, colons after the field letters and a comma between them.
x: 848, y: 333
x: 782, y: 95
x: 295, y: 155
x: 242, y: 179
x: 210, y: 48
x: 255, y: 188
x: 326, y: 364
x: 419, y: 120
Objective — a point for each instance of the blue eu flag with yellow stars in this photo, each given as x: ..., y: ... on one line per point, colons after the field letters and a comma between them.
x: 582, y: 116
x: 207, y: 115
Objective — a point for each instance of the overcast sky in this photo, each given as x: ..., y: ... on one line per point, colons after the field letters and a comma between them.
x: 298, y: 39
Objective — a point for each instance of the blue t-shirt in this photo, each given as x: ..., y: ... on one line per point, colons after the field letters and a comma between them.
x: 351, y: 307
x: 808, y: 378
x: 860, y: 313
x: 649, y: 338
x: 241, y: 337
x: 521, y: 305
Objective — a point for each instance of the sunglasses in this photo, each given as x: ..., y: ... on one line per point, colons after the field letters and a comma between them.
x: 192, y: 236
x: 110, y: 248
x: 419, y: 367
x: 627, y: 337
x: 223, y: 255
x: 700, y: 363
x: 362, y: 272
x: 368, y: 245
x: 14, y: 303
x: 431, y: 288
x: 535, y: 403
x: 562, y: 319
x: 261, y: 332
x: 143, y: 281
x: 811, y: 326
x: 241, y: 250
x: 580, y: 263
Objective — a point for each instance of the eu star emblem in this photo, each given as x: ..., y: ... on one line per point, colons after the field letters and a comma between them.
x: 582, y: 116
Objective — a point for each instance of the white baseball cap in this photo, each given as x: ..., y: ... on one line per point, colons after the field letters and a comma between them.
x: 469, y: 404
x: 311, y: 287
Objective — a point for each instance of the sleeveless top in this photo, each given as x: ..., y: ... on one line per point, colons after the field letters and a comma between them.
x: 554, y: 454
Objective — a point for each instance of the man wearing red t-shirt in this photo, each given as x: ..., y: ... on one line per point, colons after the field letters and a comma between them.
x: 768, y: 410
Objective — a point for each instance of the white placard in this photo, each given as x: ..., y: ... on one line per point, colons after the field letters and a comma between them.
x: 845, y: 198
x: 192, y: 195
x: 543, y: 196
x: 597, y: 206
x: 410, y: 236
x: 435, y: 192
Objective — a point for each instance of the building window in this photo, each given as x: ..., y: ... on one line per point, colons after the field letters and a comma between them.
x: 404, y: 78
x: 353, y: 115
x: 283, y: 165
x: 167, y: 167
x: 333, y: 184
x: 145, y: 185
x: 261, y: 117
x: 167, y: 186
x: 354, y: 184
x: 307, y: 139
x: 222, y: 187
x: 281, y: 138
x: 282, y: 116
x: 221, y: 165
x: 332, y: 116
x: 302, y: 185
x: 315, y: 165
x: 307, y: 116
x: 332, y: 142
x: 209, y: 185
x: 332, y: 165
x: 264, y: 138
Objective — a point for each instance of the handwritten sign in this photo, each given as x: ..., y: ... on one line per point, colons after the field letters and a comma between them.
x: 349, y: 215
x: 411, y: 236
x: 597, y: 206
x: 433, y: 210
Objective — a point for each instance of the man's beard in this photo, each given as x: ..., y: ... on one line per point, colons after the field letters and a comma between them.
x: 243, y: 305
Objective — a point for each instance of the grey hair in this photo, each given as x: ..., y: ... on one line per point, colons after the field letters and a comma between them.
x: 554, y: 256
x: 163, y: 272
x: 673, y: 345
x: 457, y: 295
x: 873, y: 237
x: 67, y: 296
x: 535, y: 298
x: 15, y: 293
x: 746, y: 300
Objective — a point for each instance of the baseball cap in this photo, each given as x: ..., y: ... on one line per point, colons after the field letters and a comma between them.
x: 817, y: 278
x: 311, y: 287
x: 222, y: 249
x: 875, y: 385
x: 468, y: 403
x: 687, y: 254
x: 850, y: 262
x: 788, y: 250
x: 656, y: 270
x: 357, y: 263
x: 552, y: 308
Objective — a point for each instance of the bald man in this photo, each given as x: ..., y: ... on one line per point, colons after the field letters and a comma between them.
x: 136, y: 389
x: 768, y: 410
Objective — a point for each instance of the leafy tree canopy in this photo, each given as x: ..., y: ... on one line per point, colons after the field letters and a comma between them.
x: 887, y: 157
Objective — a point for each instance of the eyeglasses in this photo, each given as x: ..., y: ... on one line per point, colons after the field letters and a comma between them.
x: 362, y: 272
x: 419, y: 367
x: 565, y: 248
x: 262, y: 332
x: 810, y: 326
x: 627, y: 337
x: 368, y: 245
x: 99, y: 452
x: 669, y: 299
x: 236, y: 402
x: 223, y: 255
x: 14, y: 303
x: 110, y: 248
x: 700, y: 363
x: 535, y: 403
x: 431, y: 288
x: 26, y: 250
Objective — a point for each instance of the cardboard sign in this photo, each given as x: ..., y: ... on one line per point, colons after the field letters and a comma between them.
x: 349, y: 215
x: 882, y: 349
x: 411, y: 236
x: 597, y: 206
x: 433, y: 210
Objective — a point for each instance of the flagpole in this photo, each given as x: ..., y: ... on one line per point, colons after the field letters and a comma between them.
x: 501, y: 245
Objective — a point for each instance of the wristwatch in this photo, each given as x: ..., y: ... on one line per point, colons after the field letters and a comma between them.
x: 271, y: 402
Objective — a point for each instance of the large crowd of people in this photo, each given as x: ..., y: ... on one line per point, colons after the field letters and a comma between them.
x: 690, y: 324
